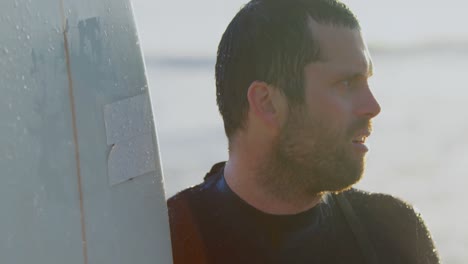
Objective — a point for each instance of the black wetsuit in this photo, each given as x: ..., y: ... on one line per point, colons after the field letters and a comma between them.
x: 211, y: 224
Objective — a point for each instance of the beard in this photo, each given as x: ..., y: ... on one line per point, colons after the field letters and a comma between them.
x: 310, y: 157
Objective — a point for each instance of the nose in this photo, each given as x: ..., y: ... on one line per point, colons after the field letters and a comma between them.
x: 368, y: 105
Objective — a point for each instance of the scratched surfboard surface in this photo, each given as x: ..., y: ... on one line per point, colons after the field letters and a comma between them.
x: 80, y: 168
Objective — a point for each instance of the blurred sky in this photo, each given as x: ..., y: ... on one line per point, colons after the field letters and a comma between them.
x: 193, y: 28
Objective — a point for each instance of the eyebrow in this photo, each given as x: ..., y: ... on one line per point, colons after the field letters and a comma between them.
x: 354, y: 74
x: 369, y: 72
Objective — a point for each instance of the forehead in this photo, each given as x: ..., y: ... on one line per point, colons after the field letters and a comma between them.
x: 342, y: 48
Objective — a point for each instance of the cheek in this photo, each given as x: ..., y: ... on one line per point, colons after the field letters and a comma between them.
x: 334, y: 111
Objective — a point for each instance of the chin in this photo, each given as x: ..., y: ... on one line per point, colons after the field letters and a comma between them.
x: 342, y: 178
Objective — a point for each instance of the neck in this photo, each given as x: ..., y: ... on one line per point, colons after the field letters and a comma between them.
x: 245, y: 174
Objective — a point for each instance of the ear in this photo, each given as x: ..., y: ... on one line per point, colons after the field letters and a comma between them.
x: 267, y: 103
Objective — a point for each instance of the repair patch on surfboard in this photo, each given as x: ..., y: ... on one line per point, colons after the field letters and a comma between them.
x: 130, y: 134
x: 128, y: 118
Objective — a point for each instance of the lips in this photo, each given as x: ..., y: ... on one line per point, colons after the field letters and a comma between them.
x: 361, y: 137
x: 359, y: 141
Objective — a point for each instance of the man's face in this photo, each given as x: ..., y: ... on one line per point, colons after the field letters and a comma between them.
x: 322, y: 142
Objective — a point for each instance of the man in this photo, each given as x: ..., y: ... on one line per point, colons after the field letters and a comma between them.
x: 292, y: 88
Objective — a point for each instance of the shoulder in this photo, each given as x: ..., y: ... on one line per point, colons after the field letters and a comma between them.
x: 184, y: 195
x: 384, y: 213
x: 187, y: 246
x: 394, y: 226
x: 186, y: 199
x: 186, y: 211
x: 378, y: 202
x: 197, y: 195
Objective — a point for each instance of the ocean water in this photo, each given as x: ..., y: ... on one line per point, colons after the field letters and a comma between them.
x: 419, y: 148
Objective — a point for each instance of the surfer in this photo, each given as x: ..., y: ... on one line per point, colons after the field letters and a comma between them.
x: 292, y: 88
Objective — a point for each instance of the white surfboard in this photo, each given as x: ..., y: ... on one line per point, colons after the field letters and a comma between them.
x: 81, y: 180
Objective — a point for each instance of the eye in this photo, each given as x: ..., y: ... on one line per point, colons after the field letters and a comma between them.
x: 345, y: 84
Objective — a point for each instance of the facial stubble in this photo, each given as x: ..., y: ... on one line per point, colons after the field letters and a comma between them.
x: 311, y: 156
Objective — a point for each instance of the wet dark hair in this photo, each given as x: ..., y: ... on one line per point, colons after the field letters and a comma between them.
x: 270, y: 41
